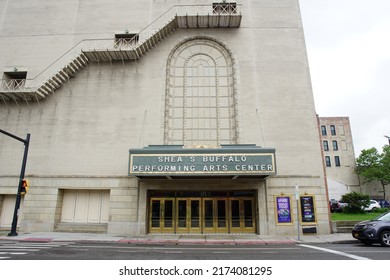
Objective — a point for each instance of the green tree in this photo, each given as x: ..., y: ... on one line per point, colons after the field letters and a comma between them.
x: 356, y: 202
x: 374, y: 166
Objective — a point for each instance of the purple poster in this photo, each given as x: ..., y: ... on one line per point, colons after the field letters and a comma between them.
x: 283, y: 209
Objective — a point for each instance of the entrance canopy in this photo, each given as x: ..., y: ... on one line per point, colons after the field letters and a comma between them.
x: 175, y: 161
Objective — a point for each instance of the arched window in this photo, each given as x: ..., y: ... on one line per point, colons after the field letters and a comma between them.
x: 200, y: 100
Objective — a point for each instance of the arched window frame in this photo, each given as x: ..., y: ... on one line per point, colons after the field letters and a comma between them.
x: 178, y: 128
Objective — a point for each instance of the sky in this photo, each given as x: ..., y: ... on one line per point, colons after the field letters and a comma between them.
x: 348, y: 47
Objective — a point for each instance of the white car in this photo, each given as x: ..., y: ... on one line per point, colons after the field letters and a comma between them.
x: 373, y: 205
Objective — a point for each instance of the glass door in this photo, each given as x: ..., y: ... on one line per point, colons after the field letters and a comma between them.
x: 168, y: 215
x: 195, y: 217
x: 235, y: 218
x: 208, y: 215
x: 182, y: 213
x: 221, y: 215
x: 155, y: 215
x: 161, y: 215
x: 248, y: 213
x: 215, y: 215
x: 188, y: 215
x: 193, y: 214
x: 242, y: 215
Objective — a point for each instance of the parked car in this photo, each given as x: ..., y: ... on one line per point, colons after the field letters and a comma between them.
x: 336, y: 206
x: 374, y: 231
x: 384, y: 203
x: 372, y: 206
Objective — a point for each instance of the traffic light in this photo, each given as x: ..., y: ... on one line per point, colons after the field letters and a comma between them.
x: 25, y: 186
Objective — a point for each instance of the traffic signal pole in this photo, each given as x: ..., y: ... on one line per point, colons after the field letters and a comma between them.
x: 26, y: 143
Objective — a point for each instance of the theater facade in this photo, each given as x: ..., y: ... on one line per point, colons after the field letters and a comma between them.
x: 160, y: 118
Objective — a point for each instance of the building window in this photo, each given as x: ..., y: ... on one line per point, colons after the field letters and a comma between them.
x: 14, y: 80
x: 332, y: 130
x: 337, y: 160
x: 335, y: 146
x: 200, y: 101
x: 126, y: 39
x: 341, y: 129
x: 344, y: 146
x: 327, y: 161
x: 326, y: 145
x: 323, y: 130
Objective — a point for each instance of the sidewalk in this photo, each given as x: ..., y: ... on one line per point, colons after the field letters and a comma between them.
x: 249, y: 239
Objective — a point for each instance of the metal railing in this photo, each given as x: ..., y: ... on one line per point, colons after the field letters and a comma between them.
x: 118, y: 44
x: 13, y: 84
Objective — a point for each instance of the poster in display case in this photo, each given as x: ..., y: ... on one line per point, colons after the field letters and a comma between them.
x: 283, y: 210
x: 307, y: 207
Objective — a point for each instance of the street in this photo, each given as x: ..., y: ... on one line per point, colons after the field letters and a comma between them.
x: 15, y: 250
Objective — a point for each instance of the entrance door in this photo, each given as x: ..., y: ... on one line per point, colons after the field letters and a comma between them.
x: 188, y: 215
x: 242, y: 217
x: 161, y: 215
x: 215, y: 215
x: 197, y: 214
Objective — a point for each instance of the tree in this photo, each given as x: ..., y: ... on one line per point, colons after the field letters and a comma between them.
x: 374, y: 166
x: 356, y: 202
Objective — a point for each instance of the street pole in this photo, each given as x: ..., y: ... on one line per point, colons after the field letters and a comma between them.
x: 22, y: 172
x: 297, y: 199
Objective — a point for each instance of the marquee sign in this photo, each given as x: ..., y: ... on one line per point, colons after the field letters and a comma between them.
x: 235, y: 160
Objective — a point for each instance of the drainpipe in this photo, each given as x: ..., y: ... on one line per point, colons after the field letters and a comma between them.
x: 325, y: 176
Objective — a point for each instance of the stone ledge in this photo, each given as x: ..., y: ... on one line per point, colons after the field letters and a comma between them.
x: 81, y: 228
x: 343, y: 226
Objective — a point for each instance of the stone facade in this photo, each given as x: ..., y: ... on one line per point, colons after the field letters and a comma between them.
x: 81, y: 132
x: 337, y: 144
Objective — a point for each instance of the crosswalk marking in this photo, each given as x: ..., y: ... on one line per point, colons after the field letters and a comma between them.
x: 355, y: 257
x: 9, y: 249
x: 13, y: 253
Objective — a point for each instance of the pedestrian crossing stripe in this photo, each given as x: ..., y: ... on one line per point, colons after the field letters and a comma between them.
x: 9, y: 249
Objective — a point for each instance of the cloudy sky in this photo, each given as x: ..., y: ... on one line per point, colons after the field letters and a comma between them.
x: 348, y: 45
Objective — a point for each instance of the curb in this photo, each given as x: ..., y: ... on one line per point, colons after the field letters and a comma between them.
x: 181, y: 242
x: 205, y: 242
x: 178, y: 241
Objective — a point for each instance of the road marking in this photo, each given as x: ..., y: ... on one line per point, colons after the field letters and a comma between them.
x: 19, y: 249
x: 9, y: 249
x: 125, y: 251
x: 355, y: 257
x: 40, y: 245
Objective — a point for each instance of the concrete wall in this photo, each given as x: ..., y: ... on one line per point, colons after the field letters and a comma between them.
x: 80, y: 136
x: 89, y: 124
x: 341, y: 179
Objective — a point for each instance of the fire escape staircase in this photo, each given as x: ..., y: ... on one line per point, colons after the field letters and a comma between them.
x: 124, y: 47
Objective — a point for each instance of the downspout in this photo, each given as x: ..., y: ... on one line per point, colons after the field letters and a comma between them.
x: 325, y: 176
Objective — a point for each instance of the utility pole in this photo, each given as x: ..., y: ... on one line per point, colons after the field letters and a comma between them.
x: 26, y: 143
x: 388, y: 138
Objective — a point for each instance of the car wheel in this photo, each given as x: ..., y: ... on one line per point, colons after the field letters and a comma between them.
x: 384, y: 238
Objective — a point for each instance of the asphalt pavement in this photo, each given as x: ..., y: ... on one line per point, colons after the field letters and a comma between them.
x: 180, y: 239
